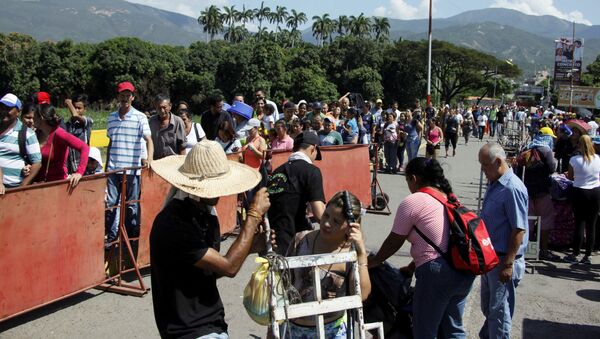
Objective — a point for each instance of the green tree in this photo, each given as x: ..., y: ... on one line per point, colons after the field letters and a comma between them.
x: 402, y: 71
x: 592, y: 76
x: 381, y: 28
x: 360, y: 26
x: 321, y: 27
x: 236, y: 34
x: 246, y: 15
x: 19, y: 55
x: 294, y: 21
x: 365, y: 80
x: 262, y: 13
x: 343, y: 25
x: 210, y: 19
x: 279, y: 16
x: 230, y: 15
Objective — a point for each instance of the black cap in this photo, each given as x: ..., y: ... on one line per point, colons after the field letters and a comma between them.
x: 317, y: 105
x: 308, y: 138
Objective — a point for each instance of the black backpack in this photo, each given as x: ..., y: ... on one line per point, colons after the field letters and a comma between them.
x: 22, y: 139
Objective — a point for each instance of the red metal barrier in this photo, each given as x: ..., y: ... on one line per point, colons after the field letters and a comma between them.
x: 343, y: 168
x: 51, y: 244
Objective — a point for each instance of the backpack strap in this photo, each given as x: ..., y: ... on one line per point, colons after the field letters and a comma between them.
x: 229, y: 145
x: 429, y: 242
x: 22, y: 139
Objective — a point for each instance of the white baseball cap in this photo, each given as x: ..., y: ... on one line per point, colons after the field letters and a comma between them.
x: 11, y: 100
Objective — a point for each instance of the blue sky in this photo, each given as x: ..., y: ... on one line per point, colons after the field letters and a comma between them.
x: 581, y: 11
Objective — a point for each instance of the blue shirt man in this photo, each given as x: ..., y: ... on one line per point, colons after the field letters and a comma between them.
x: 504, y: 212
x: 126, y: 129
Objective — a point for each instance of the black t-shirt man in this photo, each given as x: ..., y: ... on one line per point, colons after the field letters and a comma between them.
x: 186, y: 300
x: 210, y: 122
x: 291, y: 187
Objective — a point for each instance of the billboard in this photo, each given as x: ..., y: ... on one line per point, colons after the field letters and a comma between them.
x: 568, y: 55
x: 583, y: 96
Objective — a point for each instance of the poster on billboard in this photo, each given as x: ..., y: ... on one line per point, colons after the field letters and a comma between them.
x: 568, y: 56
x: 583, y: 96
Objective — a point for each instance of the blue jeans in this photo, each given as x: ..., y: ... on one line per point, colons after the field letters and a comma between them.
x: 439, y: 300
x: 498, y: 300
x: 132, y: 217
x: 412, y: 147
x: 492, y: 128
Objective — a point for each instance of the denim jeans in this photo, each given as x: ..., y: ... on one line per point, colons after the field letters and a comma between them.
x: 412, y: 147
x: 492, y: 128
x: 481, y: 131
x: 498, y: 300
x: 439, y: 300
x: 132, y: 217
x: 390, y: 150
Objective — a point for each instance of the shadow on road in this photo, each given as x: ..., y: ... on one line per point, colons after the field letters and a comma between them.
x: 45, y: 310
x: 572, y: 272
x: 592, y: 295
x: 542, y: 329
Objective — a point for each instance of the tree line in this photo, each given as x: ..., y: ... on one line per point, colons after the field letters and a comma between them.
x: 377, y: 69
x: 231, y: 23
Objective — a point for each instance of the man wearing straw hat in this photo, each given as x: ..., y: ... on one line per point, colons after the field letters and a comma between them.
x: 185, y: 237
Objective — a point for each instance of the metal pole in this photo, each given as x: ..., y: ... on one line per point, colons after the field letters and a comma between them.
x: 480, y: 191
x: 495, y: 79
x: 429, y: 58
x: 572, y: 70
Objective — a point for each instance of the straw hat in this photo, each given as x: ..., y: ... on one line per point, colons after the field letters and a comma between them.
x: 205, y: 172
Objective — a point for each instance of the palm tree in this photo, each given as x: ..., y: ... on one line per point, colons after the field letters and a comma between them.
x: 360, y: 25
x: 321, y: 27
x: 343, y: 25
x: 261, y: 14
x: 230, y: 15
x: 236, y: 34
x: 279, y: 16
x: 293, y: 21
x: 381, y: 28
x: 246, y: 15
x: 210, y: 19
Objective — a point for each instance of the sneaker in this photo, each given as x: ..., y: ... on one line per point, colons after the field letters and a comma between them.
x: 585, y: 260
x: 571, y: 259
x: 549, y: 256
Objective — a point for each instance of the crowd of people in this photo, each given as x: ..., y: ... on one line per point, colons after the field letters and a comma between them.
x: 37, y: 146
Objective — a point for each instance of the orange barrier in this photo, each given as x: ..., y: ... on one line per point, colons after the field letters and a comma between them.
x: 51, y: 244
x: 343, y: 168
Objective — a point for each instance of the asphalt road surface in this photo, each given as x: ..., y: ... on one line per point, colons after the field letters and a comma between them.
x: 557, y: 301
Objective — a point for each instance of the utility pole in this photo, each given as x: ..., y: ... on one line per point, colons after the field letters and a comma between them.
x: 495, y: 79
x: 572, y: 70
x: 429, y: 63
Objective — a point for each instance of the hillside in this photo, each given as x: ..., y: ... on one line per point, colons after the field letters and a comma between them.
x: 96, y: 20
x: 530, y: 51
x: 507, y: 34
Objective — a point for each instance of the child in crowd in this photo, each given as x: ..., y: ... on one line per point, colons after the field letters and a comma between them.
x: 27, y: 114
x: 78, y: 125
x: 94, y: 165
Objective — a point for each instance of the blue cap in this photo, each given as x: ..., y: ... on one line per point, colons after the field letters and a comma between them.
x: 241, y: 109
x: 566, y: 129
x: 11, y: 100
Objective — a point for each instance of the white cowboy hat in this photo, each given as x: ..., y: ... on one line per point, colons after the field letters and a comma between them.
x: 205, y: 172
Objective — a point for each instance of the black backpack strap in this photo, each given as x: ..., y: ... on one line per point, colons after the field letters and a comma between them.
x: 429, y: 242
x: 22, y: 139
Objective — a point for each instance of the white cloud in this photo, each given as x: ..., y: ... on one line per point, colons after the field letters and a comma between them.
x: 541, y: 7
x: 401, y: 9
x: 187, y: 7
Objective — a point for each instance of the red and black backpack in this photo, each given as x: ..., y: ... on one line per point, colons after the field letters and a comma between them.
x: 470, y: 248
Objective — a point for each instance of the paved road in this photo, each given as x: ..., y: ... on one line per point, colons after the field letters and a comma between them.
x: 558, y: 301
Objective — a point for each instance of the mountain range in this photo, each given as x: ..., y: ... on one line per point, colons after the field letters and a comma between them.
x: 507, y: 34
